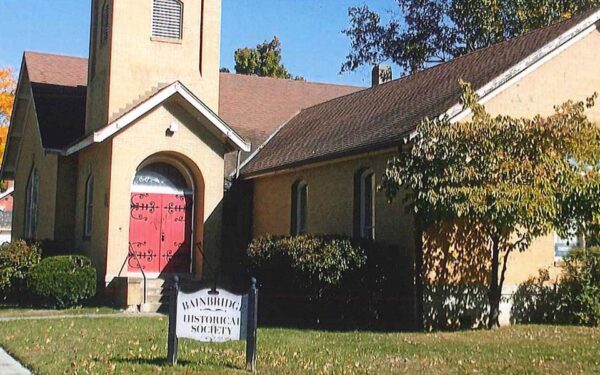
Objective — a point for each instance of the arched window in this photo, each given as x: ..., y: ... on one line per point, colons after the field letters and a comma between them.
x: 162, y: 178
x: 89, y: 207
x: 167, y: 19
x: 299, y: 207
x: 364, y: 204
x: 31, y: 205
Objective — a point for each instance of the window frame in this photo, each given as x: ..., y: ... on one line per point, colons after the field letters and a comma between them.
x: 31, y: 204
x: 299, y: 211
x: 163, y: 38
x: 88, y: 209
x: 364, y: 216
x: 559, y: 241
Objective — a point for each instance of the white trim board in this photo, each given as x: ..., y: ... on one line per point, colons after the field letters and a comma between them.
x: 516, y: 73
x: 128, y: 118
x: 498, y: 85
x: 8, y: 192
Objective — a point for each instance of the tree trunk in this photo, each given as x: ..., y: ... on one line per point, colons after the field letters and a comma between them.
x: 495, y: 292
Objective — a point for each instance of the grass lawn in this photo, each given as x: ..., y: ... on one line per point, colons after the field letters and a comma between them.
x: 122, y: 345
x: 14, y: 311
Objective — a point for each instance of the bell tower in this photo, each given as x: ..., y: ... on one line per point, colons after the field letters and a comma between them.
x: 139, y: 46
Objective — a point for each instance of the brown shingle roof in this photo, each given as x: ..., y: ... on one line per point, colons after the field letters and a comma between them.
x: 253, y: 106
x: 58, y: 84
x: 56, y: 69
x: 256, y: 106
x: 381, y: 116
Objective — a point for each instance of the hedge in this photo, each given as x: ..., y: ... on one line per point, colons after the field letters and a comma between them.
x: 328, y: 280
x: 572, y: 299
x: 62, y: 281
x: 16, y: 258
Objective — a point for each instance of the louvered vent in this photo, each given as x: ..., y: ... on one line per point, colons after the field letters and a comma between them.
x: 167, y: 19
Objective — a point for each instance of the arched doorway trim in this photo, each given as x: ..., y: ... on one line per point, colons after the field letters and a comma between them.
x: 161, y: 232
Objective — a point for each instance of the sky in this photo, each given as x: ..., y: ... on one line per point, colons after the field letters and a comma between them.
x: 309, y: 30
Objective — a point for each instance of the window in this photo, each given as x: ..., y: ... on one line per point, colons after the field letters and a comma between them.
x: 89, y: 207
x: 31, y: 205
x: 167, y: 19
x: 105, y: 24
x: 364, y: 204
x: 299, y: 207
x: 562, y: 246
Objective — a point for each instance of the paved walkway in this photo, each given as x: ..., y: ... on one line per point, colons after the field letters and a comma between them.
x: 9, y: 366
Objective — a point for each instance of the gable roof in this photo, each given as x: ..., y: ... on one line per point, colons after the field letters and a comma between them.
x: 176, y: 88
x: 256, y: 106
x: 253, y: 106
x: 384, y: 115
x: 58, y: 85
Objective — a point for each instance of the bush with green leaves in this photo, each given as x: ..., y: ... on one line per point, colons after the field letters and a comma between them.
x: 580, y: 287
x: 16, y: 258
x: 304, y: 263
x: 572, y: 299
x: 62, y: 281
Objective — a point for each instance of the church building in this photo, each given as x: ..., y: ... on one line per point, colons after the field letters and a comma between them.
x: 128, y: 156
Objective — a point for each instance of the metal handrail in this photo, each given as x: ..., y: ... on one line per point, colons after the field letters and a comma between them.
x: 141, y: 268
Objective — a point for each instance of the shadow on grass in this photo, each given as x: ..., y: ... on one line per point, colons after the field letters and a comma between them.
x: 162, y: 362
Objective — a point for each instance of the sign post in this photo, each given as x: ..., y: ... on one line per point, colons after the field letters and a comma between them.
x: 252, y: 323
x: 213, y: 315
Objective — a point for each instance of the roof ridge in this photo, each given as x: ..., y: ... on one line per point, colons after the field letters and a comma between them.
x: 54, y: 54
x: 461, y: 57
x: 525, y: 49
x: 289, y: 80
x: 517, y: 37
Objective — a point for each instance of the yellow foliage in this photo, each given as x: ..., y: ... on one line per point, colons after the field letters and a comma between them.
x: 7, y: 94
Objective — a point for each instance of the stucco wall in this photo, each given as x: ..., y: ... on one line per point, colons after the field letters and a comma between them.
x: 573, y: 74
x: 66, y: 201
x: 31, y: 154
x: 94, y: 161
x: 138, y: 63
x: 192, y: 145
x: 330, y: 202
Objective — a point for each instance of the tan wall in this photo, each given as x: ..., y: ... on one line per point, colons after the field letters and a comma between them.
x: 31, y: 153
x: 66, y: 200
x: 138, y: 64
x: 192, y: 145
x: 94, y: 161
x: 330, y: 202
x: 574, y: 74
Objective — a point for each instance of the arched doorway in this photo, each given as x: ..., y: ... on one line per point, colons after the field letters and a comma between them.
x: 161, y: 216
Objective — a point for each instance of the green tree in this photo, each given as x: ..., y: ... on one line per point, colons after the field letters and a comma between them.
x: 514, y: 178
x: 263, y: 61
x: 433, y: 31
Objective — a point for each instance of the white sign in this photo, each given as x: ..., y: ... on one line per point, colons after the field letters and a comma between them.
x: 212, y: 317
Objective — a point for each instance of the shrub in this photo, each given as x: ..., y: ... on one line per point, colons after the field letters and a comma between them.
x: 16, y: 258
x: 62, y: 281
x: 537, y: 301
x: 574, y: 299
x: 309, y: 263
x: 580, y: 287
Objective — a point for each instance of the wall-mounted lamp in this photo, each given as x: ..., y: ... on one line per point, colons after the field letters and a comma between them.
x: 172, y: 129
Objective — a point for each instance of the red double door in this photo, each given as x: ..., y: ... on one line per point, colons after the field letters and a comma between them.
x: 160, y: 228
